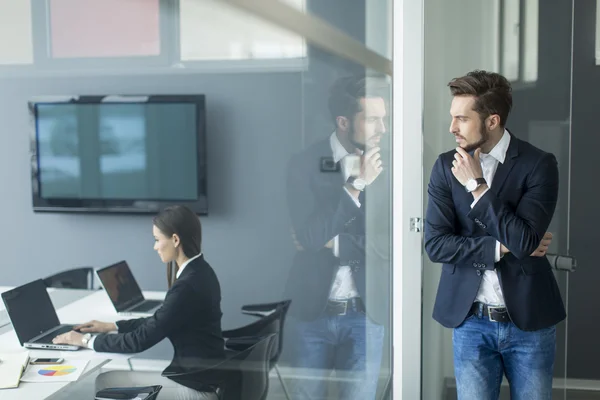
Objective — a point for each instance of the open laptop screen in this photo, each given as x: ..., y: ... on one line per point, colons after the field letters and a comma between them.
x: 30, y: 310
x: 120, y: 285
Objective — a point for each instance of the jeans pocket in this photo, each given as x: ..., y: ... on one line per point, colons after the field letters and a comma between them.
x: 551, y: 330
x: 370, y: 320
x: 469, y: 318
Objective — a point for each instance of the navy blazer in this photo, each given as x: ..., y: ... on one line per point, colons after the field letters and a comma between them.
x: 516, y: 211
x: 321, y: 209
x: 190, y: 318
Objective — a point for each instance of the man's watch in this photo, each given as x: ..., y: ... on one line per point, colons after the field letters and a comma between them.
x: 86, y: 338
x: 473, y: 184
x: 357, y: 183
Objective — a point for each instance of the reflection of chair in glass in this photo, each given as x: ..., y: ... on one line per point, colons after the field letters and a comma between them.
x: 241, y: 376
x: 272, y: 319
x: 76, y: 278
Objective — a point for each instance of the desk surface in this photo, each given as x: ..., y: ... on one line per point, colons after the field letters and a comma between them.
x: 78, y: 309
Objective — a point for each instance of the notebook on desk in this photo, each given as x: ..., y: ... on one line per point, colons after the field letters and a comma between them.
x: 124, y: 291
x: 11, y: 369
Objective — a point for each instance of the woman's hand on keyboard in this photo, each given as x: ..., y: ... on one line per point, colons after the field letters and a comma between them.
x: 96, y: 327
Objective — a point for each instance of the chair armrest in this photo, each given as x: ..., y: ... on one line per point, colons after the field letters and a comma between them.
x: 264, y: 307
x: 241, y: 343
x: 260, y: 327
x: 244, y: 331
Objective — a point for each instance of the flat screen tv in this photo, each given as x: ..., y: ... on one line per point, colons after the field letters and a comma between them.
x: 118, y: 154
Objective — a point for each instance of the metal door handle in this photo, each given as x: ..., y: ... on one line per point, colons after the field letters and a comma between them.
x: 561, y: 262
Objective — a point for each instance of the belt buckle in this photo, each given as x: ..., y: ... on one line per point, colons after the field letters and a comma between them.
x: 345, y: 308
x: 345, y: 303
x: 490, y: 308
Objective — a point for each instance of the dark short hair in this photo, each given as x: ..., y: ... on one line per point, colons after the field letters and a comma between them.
x: 345, y: 96
x: 492, y: 92
x: 182, y: 221
x: 346, y: 92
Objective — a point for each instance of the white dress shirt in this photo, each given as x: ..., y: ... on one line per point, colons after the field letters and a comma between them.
x: 180, y: 270
x: 343, y: 287
x: 490, y: 291
x: 90, y: 343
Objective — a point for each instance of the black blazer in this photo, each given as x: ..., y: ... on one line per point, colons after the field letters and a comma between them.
x: 190, y: 318
x: 516, y: 211
x: 321, y: 209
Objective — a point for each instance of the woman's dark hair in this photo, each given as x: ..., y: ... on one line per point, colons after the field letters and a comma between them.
x: 182, y: 221
x: 492, y: 92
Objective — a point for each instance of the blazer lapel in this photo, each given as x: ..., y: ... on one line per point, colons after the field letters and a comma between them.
x: 504, y: 168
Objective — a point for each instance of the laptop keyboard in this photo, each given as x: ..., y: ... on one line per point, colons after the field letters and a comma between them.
x: 147, y: 305
x: 48, y: 338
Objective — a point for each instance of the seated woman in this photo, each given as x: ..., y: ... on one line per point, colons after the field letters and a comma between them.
x: 190, y: 316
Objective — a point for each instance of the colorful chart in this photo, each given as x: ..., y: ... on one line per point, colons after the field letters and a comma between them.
x: 57, y: 370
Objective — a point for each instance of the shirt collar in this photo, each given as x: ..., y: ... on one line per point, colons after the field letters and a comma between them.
x: 180, y: 270
x: 337, y: 149
x: 500, y: 149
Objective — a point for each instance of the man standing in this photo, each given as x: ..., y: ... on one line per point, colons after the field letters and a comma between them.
x: 490, y: 203
x: 333, y: 325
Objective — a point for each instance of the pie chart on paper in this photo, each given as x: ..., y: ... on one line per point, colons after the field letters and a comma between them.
x: 58, y: 370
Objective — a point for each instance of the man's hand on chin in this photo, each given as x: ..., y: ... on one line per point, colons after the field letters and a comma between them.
x: 465, y: 167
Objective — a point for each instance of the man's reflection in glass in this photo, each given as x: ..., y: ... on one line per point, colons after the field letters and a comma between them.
x: 332, y: 325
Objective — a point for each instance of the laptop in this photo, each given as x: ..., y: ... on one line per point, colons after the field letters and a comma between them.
x: 34, y: 318
x: 124, y: 292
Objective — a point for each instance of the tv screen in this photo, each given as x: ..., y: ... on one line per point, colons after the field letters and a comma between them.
x: 119, y: 153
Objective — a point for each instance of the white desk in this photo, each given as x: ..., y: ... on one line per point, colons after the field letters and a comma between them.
x: 95, y: 306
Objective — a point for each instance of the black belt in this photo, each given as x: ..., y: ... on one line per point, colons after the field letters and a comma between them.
x: 341, y: 307
x: 495, y: 314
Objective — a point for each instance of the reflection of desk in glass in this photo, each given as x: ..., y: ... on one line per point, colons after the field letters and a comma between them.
x: 72, y: 306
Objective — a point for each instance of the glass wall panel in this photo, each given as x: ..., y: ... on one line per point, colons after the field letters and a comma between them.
x: 530, y: 44
x: 296, y: 156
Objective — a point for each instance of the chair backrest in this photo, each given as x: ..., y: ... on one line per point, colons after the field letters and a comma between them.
x: 76, y: 278
x: 242, y: 376
x: 253, y: 383
x: 268, y: 313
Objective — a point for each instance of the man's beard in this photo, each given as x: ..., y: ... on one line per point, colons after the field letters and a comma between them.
x: 351, y: 138
x: 485, y: 135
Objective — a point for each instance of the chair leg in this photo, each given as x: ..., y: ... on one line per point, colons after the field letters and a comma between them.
x: 285, y: 390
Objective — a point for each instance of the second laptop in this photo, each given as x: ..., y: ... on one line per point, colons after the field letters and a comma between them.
x: 124, y: 292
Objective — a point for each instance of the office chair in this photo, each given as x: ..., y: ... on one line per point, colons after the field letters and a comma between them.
x: 76, y: 278
x: 271, y: 321
x: 242, y: 375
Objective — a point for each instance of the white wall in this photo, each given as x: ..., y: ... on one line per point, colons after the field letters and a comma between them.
x: 459, y: 37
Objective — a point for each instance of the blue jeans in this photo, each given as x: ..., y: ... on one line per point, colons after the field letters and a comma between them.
x: 485, y: 350
x: 350, y: 344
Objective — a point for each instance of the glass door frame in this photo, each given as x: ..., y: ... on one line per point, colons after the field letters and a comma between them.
x: 407, y: 143
x: 407, y: 189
